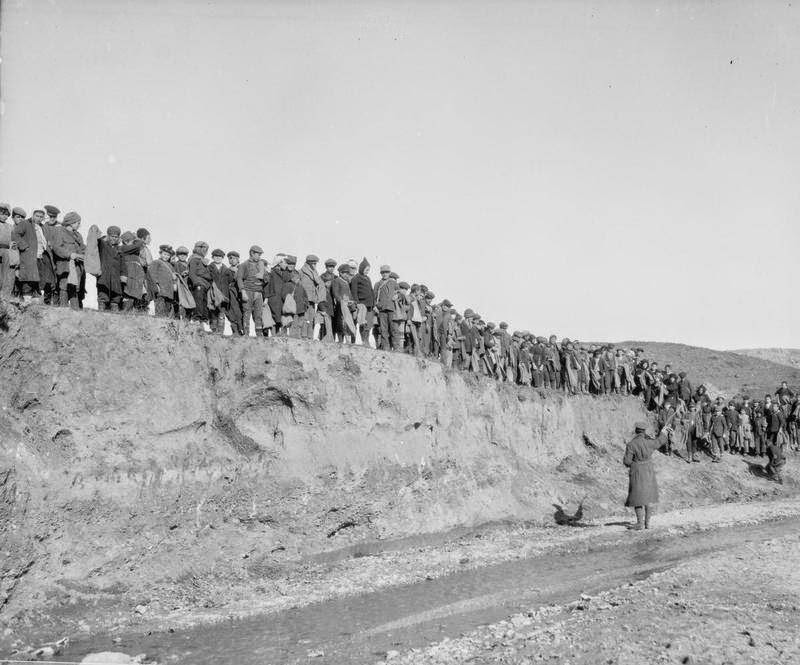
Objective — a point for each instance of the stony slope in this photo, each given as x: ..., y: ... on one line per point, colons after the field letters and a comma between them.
x: 141, y: 460
x: 730, y: 373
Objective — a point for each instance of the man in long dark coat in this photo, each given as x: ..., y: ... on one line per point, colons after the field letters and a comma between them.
x: 109, y: 283
x: 27, y: 242
x: 199, y: 280
x: 642, y: 485
x: 234, y: 311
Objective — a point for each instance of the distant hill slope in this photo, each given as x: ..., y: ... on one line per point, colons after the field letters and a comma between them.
x: 789, y: 357
x: 727, y: 372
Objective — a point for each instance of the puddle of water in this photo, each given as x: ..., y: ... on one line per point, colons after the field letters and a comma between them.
x: 360, y: 629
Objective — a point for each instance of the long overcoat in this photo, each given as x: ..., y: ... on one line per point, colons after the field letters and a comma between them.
x: 642, y: 485
x: 24, y: 234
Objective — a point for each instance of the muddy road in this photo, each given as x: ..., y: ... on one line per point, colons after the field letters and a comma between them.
x: 362, y: 629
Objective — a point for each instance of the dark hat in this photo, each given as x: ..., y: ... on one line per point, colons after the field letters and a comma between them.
x: 291, y: 260
x: 385, y: 268
x: 468, y: 313
x: 256, y: 248
x: 201, y: 243
x: 181, y: 250
x: 423, y: 288
x: 363, y: 265
x: 142, y: 233
x: 113, y: 231
x: 52, y: 210
x: 490, y: 325
x: 312, y: 258
x: 393, y: 275
x: 6, y: 207
x: 330, y: 263
x: 166, y: 248
x: 17, y: 211
x: 217, y: 252
x: 403, y: 285
x: 128, y: 236
x: 344, y: 268
x: 446, y: 303
x: 682, y: 375
x: 71, y: 218
x: 503, y: 325
x: 476, y: 316
x: 640, y: 426
x: 429, y: 295
x: 233, y: 252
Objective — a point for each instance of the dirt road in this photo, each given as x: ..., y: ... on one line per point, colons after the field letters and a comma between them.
x: 590, y: 561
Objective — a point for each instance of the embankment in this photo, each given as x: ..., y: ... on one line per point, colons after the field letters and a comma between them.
x: 142, y: 459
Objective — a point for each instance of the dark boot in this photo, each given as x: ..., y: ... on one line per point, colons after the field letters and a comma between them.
x: 639, y: 519
x: 647, y: 512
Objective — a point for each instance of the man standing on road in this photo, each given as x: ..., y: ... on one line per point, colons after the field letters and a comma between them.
x: 642, y: 485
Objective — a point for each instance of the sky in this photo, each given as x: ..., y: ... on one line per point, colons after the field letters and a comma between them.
x: 601, y: 171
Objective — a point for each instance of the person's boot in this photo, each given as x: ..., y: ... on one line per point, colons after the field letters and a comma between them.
x: 647, y: 512
x: 639, y: 520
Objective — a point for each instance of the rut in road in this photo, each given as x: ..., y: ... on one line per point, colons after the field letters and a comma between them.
x: 362, y: 628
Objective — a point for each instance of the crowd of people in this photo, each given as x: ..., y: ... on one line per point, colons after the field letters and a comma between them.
x: 44, y: 258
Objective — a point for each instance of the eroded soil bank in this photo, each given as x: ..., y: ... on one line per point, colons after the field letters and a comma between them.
x: 152, y: 473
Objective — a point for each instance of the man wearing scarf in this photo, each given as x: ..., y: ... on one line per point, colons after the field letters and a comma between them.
x: 314, y: 289
x: 68, y: 251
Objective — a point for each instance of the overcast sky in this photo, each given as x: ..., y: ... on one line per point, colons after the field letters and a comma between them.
x: 606, y: 171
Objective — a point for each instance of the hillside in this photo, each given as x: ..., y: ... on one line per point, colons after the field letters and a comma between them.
x: 144, y: 462
x: 790, y: 357
x: 729, y: 373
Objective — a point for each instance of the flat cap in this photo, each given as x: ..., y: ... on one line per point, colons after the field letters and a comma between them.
x: 71, y: 218
x: 312, y: 258
x: 128, y: 236
x: 6, y: 207
x: 181, y: 250
x: 41, y: 210
x: 503, y: 325
x: 113, y: 231
x: 166, y: 248
x: 490, y: 325
x: 344, y: 267
x: 291, y: 260
x: 217, y: 252
x: 468, y: 313
x: 404, y: 285
x: 446, y: 303
x: 640, y: 426
x: 201, y: 243
x: 18, y: 211
x: 233, y: 252
x: 257, y: 249
x: 330, y: 263
x: 52, y: 210
x: 393, y: 275
x: 429, y: 295
x: 142, y: 233
x: 682, y: 375
x: 385, y: 268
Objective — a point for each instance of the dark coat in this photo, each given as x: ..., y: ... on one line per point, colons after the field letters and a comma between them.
x: 24, y: 234
x: 280, y: 285
x: 362, y: 291
x: 385, y: 295
x: 161, y: 276
x: 133, y: 270
x: 642, y: 485
x: 199, y: 272
x: 66, y: 242
x: 111, y: 266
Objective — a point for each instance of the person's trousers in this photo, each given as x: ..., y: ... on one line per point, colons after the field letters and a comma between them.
x: 386, y: 325
x: 717, y: 443
x: 108, y: 300
x: 164, y: 308
x: 306, y: 322
x: 216, y: 320
x: 200, y: 304
x: 7, y: 275
x: 365, y: 328
x: 67, y: 293
x: 733, y: 439
x: 253, y: 308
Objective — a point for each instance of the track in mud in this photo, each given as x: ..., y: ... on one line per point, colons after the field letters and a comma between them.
x: 363, y: 628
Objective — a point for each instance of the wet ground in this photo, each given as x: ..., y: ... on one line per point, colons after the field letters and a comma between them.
x: 362, y: 629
